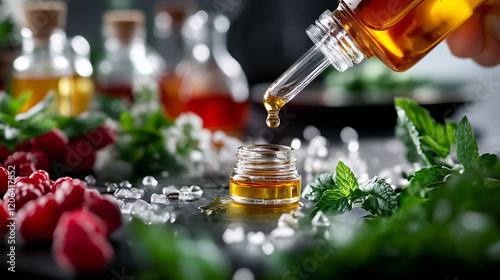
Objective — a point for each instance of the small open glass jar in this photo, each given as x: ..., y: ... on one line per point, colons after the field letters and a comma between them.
x: 266, y: 175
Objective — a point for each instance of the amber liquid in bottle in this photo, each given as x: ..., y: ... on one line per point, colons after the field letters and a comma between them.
x: 169, y: 85
x: 266, y: 190
x: 40, y: 87
x: 399, y: 33
x: 83, y: 93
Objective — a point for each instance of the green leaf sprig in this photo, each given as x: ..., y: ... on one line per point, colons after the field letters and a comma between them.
x: 336, y: 193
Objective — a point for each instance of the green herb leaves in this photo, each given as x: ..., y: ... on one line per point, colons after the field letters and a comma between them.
x: 340, y: 190
x: 381, y: 199
x: 427, y: 142
x: 16, y: 127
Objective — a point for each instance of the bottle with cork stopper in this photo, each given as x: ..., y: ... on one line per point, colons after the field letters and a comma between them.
x: 43, y: 65
x: 127, y: 62
x: 168, y: 40
x: 398, y: 32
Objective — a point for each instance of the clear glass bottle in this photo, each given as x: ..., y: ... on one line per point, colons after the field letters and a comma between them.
x: 84, y: 88
x: 215, y: 88
x: 168, y: 40
x: 43, y: 65
x: 399, y: 33
x: 265, y: 174
x: 127, y: 62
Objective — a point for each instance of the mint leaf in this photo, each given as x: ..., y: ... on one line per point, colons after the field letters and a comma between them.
x: 426, y: 141
x: 381, y: 200
x: 332, y: 202
x: 425, y: 180
x: 346, y: 180
x: 315, y: 189
x: 467, y: 150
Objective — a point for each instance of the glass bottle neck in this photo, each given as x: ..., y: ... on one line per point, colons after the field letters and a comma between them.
x: 333, y: 45
x: 55, y: 44
x: 332, y: 38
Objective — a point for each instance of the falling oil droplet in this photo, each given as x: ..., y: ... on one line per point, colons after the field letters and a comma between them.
x: 273, y: 120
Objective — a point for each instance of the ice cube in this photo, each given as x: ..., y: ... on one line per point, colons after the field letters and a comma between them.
x: 320, y: 220
x: 236, y: 235
x: 140, y: 208
x: 282, y: 232
x: 111, y: 187
x: 123, y: 193
x: 156, y: 215
x: 171, y: 189
x: 137, y: 193
x: 159, y: 199
x: 126, y: 208
x: 287, y: 220
x: 149, y: 181
x: 196, y: 191
x: 256, y: 238
x: 90, y: 180
x: 185, y: 196
x: 125, y: 184
x: 185, y: 189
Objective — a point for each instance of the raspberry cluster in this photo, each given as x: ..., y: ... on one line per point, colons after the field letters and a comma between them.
x: 53, y: 151
x: 76, y: 218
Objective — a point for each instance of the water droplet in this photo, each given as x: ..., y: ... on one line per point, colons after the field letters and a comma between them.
x: 149, y: 181
x: 125, y: 184
x: 111, y: 187
x: 90, y: 180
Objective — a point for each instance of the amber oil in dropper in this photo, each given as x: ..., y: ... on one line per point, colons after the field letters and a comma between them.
x: 265, y: 175
x: 399, y: 33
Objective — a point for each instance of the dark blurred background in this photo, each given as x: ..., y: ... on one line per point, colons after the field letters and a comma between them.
x: 265, y: 36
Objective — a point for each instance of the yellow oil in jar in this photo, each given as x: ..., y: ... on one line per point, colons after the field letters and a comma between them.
x: 288, y: 191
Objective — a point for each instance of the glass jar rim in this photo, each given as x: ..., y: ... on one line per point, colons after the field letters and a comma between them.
x: 265, y: 148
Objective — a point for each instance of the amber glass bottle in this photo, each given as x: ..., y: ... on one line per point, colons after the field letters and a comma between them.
x: 398, y: 32
x: 43, y: 65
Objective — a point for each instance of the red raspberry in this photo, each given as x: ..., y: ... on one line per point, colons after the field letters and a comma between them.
x: 24, y: 146
x: 41, y: 160
x: 4, y: 153
x: 23, y: 193
x: 51, y: 143
x: 4, y: 180
x: 71, y: 194
x: 98, y: 138
x: 4, y: 214
x: 57, y: 184
x: 42, y: 186
x: 105, y: 207
x: 40, y: 175
x: 79, y: 243
x: 38, y: 219
x: 79, y: 155
x: 22, y: 162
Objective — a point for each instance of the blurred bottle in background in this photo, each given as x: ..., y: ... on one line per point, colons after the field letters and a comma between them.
x: 43, y: 64
x: 127, y: 63
x: 84, y: 88
x: 215, y: 88
x: 169, y: 17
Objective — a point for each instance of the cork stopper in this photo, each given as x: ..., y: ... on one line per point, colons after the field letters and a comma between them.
x: 42, y: 18
x: 124, y: 24
x: 178, y: 11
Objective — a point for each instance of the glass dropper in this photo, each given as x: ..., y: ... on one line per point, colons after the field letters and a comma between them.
x: 299, y: 75
x: 332, y: 45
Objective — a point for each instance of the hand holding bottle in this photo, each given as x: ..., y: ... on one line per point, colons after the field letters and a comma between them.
x: 479, y: 37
